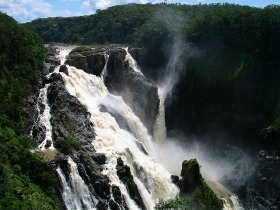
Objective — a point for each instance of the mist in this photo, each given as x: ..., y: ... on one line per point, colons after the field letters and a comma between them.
x: 173, y: 46
x: 170, y: 76
x: 218, y: 165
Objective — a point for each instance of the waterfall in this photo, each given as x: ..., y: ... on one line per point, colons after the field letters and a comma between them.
x: 115, y: 142
x: 44, y: 119
x: 133, y: 145
x: 159, y: 130
x: 104, y: 71
x: 159, y: 127
x: 231, y: 203
x: 76, y: 194
x: 132, y: 63
x: 63, y: 52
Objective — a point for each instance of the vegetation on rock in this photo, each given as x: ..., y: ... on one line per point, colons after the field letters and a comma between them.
x: 67, y: 145
x: 176, y: 204
x: 192, y: 184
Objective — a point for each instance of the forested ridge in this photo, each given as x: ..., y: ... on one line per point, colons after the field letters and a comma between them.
x: 26, y: 182
x: 228, y: 59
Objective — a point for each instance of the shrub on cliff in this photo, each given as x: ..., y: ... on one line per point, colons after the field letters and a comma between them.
x: 192, y: 184
x: 176, y: 204
x: 67, y: 145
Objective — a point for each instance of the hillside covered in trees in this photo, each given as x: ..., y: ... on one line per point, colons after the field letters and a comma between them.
x: 227, y: 60
x: 26, y: 182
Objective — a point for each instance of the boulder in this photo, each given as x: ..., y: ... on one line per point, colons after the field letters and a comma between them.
x: 99, y: 158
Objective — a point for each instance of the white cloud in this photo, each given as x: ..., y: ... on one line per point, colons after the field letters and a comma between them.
x: 27, y: 10
x: 103, y: 4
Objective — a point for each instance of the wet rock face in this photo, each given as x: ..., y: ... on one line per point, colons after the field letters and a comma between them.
x: 91, y: 61
x: 126, y: 177
x: 137, y: 91
x: 69, y: 118
x: 264, y: 184
x: 90, y: 171
x: 64, y: 69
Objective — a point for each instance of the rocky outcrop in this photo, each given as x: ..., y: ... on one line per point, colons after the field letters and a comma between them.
x: 90, y: 60
x: 192, y: 184
x: 69, y: 118
x: 190, y: 176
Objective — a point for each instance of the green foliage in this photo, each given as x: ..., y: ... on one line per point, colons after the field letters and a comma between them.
x: 191, y: 164
x: 81, y: 49
x: 21, y: 59
x: 174, y: 204
x: 202, y: 195
x: 26, y: 182
x: 206, y: 198
x: 67, y: 145
x: 17, y: 192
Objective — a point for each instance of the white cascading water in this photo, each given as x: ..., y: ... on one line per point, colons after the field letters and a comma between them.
x: 115, y: 142
x: 104, y: 72
x: 159, y: 127
x: 132, y: 63
x: 232, y: 203
x: 44, y: 118
x: 76, y: 194
x: 230, y: 200
x: 159, y: 130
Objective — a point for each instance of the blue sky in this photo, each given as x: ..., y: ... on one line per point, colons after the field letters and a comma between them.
x: 27, y: 10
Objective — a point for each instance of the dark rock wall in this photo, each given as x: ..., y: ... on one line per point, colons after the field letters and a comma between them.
x: 69, y: 118
x: 91, y: 61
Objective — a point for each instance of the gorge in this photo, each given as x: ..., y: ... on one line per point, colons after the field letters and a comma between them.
x: 188, y: 99
x: 115, y: 163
